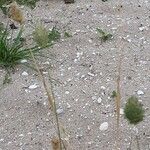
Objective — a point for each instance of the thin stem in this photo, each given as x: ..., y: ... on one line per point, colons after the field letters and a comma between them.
x: 56, y: 116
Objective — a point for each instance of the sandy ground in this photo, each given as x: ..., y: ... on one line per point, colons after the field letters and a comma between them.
x: 86, y: 70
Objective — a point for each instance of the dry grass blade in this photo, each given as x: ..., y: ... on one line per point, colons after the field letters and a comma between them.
x: 56, y: 115
x: 118, y: 96
x: 48, y: 90
x: 52, y: 104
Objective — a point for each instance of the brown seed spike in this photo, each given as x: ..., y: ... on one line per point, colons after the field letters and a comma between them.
x: 15, y: 13
x: 55, y: 144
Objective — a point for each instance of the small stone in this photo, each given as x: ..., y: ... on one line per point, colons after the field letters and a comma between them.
x: 33, y: 86
x: 60, y: 111
x: 91, y: 74
x: 103, y: 88
x: 24, y: 61
x: 121, y: 111
x: 46, y: 63
x: 90, y: 41
x: 25, y: 73
x: 67, y: 92
x: 68, y: 105
x: 99, y: 100
x: 104, y: 126
x: 94, y: 97
x: 139, y: 92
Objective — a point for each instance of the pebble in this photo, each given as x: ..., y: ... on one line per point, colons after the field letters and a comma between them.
x: 25, y: 73
x: 60, y: 111
x: 99, y: 100
x: 67, y: 92
x: 121, y: 111
x: 33, y: 86
x: 139, y: 92
x: 104, y: 126
x: 24, y: 61
x: 68, y: 105
x: 103, y: 88
x: 91, y: 74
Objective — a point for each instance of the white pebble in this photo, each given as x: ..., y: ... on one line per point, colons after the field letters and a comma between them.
x: 25, y: 73
x: 59, y: 111
x: 67, y: 92
x: 121, y: 111
x: 104, y: 126
x: 33, y: 86
x: 99, y: 100
x: 91, y: 74
x: 103, y: 88
x: 139, y: 92
x: 23, y: 61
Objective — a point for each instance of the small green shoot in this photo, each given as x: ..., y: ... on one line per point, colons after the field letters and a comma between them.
x: 7, y: 79
x: 54, y: 35
x: 1, y: 27
x: 103, y: 35
x: 114, y: 94
x: 133, y: 111
x: 67, y: 35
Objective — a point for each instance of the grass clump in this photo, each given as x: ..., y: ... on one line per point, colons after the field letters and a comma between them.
x: 133, y: 111
x: 103, y: 35
x: 12, y: 50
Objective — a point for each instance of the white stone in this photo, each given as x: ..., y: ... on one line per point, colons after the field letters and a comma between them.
x: 104, y: 126
x: 59, y: 111
x: 33, y: 86
x: 91, y: 74
x: 25, y: 73
x: 103, y: 88
x: 24, y: 61
x: 121, y: 111
x: 99, y: 100
x: 139, y: 92
x: 67, y: 92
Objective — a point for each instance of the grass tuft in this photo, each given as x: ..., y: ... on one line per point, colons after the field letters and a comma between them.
x: 12, y: 50
x: 133, y: 111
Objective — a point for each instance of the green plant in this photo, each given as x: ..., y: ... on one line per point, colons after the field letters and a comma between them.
x: 103, y: 35
x: 67, y: 35
x: 30, y: 3
x: 114, y: 94
x: 54, y: 35
x: 12, y: 50
x: 133, y: 111
x: 1, y: 27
